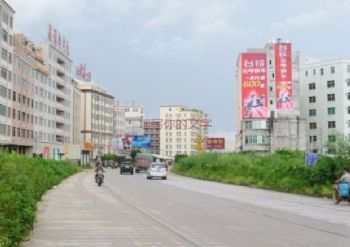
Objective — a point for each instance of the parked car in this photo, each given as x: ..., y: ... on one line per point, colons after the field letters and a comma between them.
x: 157, y: 169
x: 126, y: 167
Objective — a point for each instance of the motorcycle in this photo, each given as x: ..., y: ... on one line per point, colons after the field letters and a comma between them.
x: 341, y: 192
x: 99, y: 178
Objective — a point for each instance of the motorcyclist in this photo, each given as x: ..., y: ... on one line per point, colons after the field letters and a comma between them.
x: 98, y: 168
x: 345, y: 178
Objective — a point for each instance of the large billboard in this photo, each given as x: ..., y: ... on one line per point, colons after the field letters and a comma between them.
x: 214, y: 143
x: 141, y: 141
x: 254, y: 85
x: 283, y: 75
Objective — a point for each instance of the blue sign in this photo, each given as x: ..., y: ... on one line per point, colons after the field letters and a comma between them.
x: 311, y: 158
x: 141, y: 141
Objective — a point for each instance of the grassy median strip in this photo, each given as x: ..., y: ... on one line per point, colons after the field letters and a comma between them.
x: 23, y: 181
x: 283, y: 171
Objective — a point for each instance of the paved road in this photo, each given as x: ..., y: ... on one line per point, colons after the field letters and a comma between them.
x: 132, y: 211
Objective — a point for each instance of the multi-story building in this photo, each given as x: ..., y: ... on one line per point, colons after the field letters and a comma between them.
x: 119, y: 120
x: 23, y: 112
x: 96, y: 117
x: 152, y: 129
x: 268, y: 111
x: 76, y: 103
x: 325, y: 94
x: 6, y: 44
x: 182, y: 130
x: 62, y: 94
x: 134, y: 115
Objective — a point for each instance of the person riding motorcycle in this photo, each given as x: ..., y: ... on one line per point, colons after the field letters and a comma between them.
x: 345, y: 178
x: 98, y: 168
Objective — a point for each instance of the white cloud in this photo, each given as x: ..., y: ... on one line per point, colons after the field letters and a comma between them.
x: 30, y: 13
x: 332, y: 11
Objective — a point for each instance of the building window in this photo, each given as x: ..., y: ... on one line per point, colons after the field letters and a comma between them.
x: 312, y: 112
x: 4, y: 73
x: 332, y: 69
x: 2, y: 110
x: 313, y: 125
x: 348, y: 68
x: 313, y: 138
x: 4, y: 54
x: 248, y: 124
x: 312, y: 86
x: 321, y: 71
x: 330, y: 84
x: 314, y: 71
x: 312, y: 99
x: 331, y: 124
x: 331, y: 110
x: 306, y: 73
x: 331, y: 138
x: 331, y: 97
x: 3, y: 91
x: 5, y: 35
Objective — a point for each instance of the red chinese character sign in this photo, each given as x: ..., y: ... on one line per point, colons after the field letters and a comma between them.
x: 254, y: 85
x: 213, y: 143
x: 284, y: 86
x: 57, y: 40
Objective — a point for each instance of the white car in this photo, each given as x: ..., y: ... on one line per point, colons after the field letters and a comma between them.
x: 157, y: 169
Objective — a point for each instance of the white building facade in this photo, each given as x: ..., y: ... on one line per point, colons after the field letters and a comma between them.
x: 134, y: 116
x: 181, y: 130
x: 325, y: 101
x: 6, y: 44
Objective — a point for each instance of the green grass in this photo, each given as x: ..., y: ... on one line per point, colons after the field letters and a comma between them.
x: 282, y: 171
x: 23, y: 181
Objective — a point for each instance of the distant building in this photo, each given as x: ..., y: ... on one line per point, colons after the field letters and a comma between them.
x: 268, y: 111
x: 152, y: 129
x: 325, y: 101
x: 119, y: 121
x: 96, y: 117
x: 134, y: 115
x: 182, y: 130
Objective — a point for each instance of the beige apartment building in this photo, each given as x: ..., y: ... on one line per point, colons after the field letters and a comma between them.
x: 182, y: 129
x: 6, y: 44
x: 118, y: 120
x: 97, y: 117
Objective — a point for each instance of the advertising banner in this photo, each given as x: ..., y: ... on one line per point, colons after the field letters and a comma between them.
x: 46, y: 152
x: 254, y: 85
x: 215, y: 143
x: 117, y: 144
x: 141, y: 141
x: 284, y: 86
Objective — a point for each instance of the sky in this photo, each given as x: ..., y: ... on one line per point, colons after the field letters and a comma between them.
x: 160, y: 52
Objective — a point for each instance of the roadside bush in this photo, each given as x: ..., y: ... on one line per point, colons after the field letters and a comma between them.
x: 283, y: 171
x: 23, y: 181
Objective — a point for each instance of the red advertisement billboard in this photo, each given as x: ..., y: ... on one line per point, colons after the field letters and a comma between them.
x: 283, y: 75
x: 254, y: 85
x: 214, y: 143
